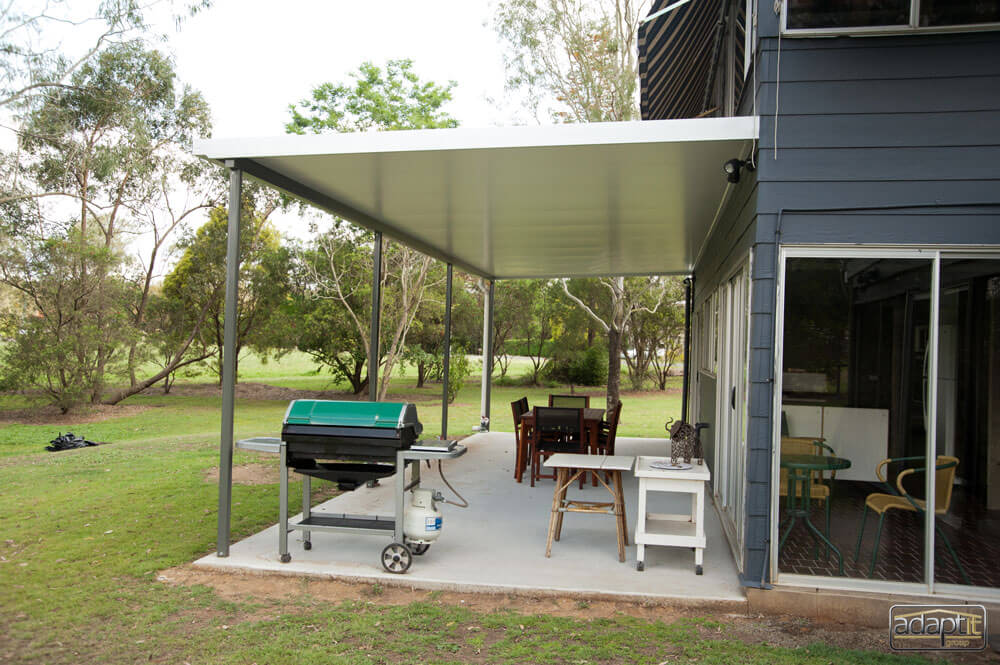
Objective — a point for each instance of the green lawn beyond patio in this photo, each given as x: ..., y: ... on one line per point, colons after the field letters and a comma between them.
x: 85, y: 533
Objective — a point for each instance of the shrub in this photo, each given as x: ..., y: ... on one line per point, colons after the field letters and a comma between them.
x: 583, y: 368
x: 459, y: 369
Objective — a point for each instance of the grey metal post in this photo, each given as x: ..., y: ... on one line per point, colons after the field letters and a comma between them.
x: 484, y: 410
x: 229, y: 360
x: 376, y: 313
x: 686, y: 385
x: 306, y: 509
x: 283, y: 554
x: 447, y: 353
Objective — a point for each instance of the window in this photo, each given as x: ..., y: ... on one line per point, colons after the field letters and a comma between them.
x: 880, y: 16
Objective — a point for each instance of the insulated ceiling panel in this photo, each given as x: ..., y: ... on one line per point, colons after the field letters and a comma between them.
x: 559, y: 201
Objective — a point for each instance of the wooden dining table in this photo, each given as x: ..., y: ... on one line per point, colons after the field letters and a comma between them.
x: 591, y: 425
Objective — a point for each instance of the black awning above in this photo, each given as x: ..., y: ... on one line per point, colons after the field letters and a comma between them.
x: 675, y: 58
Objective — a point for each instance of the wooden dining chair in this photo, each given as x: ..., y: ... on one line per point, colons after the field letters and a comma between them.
x: 519, y: 408
x: 570, y: 401
x: 607, y: 432
x: 557, y: 430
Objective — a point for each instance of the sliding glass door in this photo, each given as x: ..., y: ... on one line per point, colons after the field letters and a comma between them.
x: 888, y: 367
x: 967, y: 423
x: 731, y: 404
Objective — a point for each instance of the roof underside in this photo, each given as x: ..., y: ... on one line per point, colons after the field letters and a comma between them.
x: 562, y: 201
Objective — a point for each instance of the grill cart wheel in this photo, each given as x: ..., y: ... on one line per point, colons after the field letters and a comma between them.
x: 698, y: 570
x: 420, y: 548
x: 285, y: 558
x: 396, y: 558
x: 307, y: 545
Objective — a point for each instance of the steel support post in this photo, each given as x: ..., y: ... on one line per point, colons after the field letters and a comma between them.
x: 686, y: 385
x: 484, y: 409
x: 229, y: 361
x: 447, y: 353
x: 376, y: 315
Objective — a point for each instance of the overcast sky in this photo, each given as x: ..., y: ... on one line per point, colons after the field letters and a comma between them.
x: 252, y: 58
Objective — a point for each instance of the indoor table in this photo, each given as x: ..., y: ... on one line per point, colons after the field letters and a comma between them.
x: 800, y: 470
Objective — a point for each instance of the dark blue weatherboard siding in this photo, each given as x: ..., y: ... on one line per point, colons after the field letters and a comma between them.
x: 876, y: 123
x: 865, y: 126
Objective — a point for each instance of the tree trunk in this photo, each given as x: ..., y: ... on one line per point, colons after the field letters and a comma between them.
x: 421, y: 374
x: 614, y: 368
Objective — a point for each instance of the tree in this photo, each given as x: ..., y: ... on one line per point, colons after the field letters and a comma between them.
x: 404, y: 280
x: 36, y: 65
x: 655, y: 336
x: 627, y: 296
x: 389, y: 99
x: 324, y: 327
x: 425, y: 341
x: 544, y: 308
x: 60, y: 348
x: 511, y: 312
x: 111, y: 144
x: 385, y: 100
x: 197, y: 283
x: 576, y: 60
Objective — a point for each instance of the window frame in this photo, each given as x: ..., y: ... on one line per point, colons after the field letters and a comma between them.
x: 913, y: 27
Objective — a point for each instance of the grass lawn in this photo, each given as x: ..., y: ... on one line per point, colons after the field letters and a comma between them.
x: 83, y: 535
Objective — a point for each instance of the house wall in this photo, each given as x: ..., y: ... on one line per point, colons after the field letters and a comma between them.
x: 881, y: 140
x: 892, y: 140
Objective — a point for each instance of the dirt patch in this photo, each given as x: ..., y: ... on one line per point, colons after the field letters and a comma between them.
x: 50, y: 415
x: 245, y: 586
x: 782, y: 631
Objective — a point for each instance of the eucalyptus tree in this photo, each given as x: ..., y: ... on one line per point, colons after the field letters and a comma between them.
x: 108, y: 150
x: 656, y: 336
x: 627, y: 297
x: 576, y: 61
x: 44, y: 44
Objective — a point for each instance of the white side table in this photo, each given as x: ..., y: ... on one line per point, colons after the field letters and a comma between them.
x: 672, y: 530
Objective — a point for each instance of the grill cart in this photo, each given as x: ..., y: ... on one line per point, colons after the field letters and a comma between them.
x: 352, y: 443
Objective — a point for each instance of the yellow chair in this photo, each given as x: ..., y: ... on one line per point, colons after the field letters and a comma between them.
x: 882, y: 503
x: 819, y: 489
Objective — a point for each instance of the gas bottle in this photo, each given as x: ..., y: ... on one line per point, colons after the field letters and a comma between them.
x: 421, y: 518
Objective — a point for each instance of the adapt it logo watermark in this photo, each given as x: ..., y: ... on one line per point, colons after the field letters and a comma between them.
x: 937, y: 627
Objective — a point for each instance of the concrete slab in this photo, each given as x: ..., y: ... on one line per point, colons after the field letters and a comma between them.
x: 498, y: 543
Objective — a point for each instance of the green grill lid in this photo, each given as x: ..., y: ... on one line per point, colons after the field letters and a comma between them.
x: 389, y: 415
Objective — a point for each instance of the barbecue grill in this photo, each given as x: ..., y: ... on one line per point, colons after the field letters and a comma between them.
x: 350, y: 443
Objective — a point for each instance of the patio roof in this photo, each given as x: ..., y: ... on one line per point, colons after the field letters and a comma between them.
x: 518, y: 202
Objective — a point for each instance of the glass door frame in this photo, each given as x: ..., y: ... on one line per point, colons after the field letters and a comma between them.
x: 934, y: 255
x: 731, y: 446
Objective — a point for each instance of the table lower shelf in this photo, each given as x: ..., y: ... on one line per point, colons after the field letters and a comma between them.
x: 669, y: 532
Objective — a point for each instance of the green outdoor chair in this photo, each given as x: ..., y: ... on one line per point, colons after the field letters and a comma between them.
x: 882, y: 503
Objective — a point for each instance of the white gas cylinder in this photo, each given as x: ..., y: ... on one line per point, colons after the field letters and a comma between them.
x: 421, y: 518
